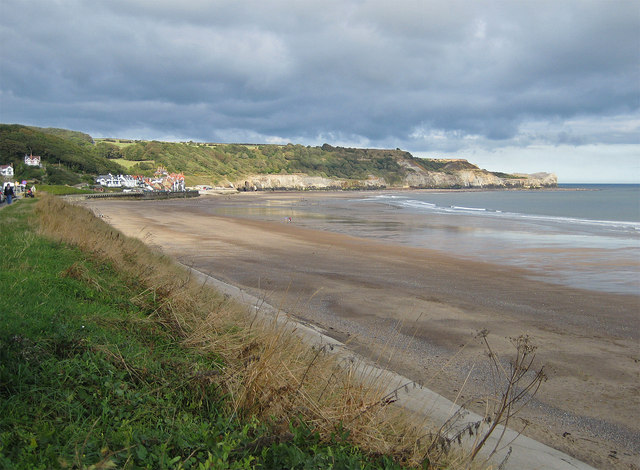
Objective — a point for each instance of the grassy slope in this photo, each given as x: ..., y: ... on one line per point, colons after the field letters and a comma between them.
x: 75, y: 153
x: 68, y: 157
x: 61, y: 190
x: 71, y: 157
x: 97, y: 367
x: 128, y: 163
x: 222, y: 162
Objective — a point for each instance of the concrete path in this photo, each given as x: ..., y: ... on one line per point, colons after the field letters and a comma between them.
x: 515, y: 452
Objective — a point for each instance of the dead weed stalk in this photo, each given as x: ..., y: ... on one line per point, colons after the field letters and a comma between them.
x: 269, y: 372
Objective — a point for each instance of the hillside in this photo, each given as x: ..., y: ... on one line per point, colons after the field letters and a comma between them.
x: 71, y: 157
x: 68, y: 157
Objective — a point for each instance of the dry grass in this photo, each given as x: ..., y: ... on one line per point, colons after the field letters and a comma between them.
x: 268, y: 372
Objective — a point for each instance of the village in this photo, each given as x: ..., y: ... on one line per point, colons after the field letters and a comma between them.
x: 162, y: 180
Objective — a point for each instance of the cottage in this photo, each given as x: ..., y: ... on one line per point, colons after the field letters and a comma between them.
x: 175, y: 182
x: 32, y: 160
x: 120, y: 181
x: 128, y: 181
x: 6, y: 170
x: 110, y: 181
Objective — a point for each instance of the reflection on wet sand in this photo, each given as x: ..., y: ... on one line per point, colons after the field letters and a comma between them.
x: 419, y: 309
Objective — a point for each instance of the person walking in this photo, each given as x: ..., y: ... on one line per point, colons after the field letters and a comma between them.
x: 8, y: 193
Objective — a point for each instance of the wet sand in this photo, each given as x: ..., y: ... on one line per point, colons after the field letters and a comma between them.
x: 418, y: 311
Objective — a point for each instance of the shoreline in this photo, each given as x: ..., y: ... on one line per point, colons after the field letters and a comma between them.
x: 527, y: 452
x: 319, y: 191
x: 216, y: 192
x: 366, y: 293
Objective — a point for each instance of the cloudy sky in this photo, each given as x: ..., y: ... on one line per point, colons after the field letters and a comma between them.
x: 511, y: 85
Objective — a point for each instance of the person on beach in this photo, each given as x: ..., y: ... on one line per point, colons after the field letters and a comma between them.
x: 8, y: 193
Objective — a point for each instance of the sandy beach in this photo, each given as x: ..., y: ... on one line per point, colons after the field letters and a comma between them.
x: 418, y: 312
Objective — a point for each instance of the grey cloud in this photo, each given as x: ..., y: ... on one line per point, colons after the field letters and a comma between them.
x: 360, y: 71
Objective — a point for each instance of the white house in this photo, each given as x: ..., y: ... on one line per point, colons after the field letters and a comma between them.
x: 6, y: 170
x: 177, y: 182
x: 110, y: 181
x: 128, y: 181
x: 118, y: 181
x: 32, y: 160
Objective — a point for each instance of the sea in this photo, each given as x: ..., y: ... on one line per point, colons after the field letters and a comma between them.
x: 579, y: 235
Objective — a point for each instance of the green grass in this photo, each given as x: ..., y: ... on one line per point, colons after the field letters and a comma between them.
x: 117, y: 142
x: 499, y: 174
x: 61, y: 190
x: 90, y: 379
x: 128, y: 163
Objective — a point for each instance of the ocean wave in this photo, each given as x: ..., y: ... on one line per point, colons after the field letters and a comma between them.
x: 386, y: 196
x: 419, y: 204
x: 462, y: 208
x: 571, y: 220
x: 482, y: 211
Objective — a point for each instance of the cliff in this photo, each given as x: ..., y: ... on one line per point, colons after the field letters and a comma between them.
x: 417, y: 174
x: 70, y: 157
x: 305, y: 182
x: 459, y: 173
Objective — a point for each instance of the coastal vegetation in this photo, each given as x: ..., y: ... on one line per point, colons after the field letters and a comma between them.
x: 62, y: 189
x: 70, y: 157
x: 228, y: 162
x: 113, y: 357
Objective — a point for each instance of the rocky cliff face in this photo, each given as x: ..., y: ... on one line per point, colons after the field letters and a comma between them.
x: 460, y: 173
x: 305, y: 182
x: 452, y: 173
